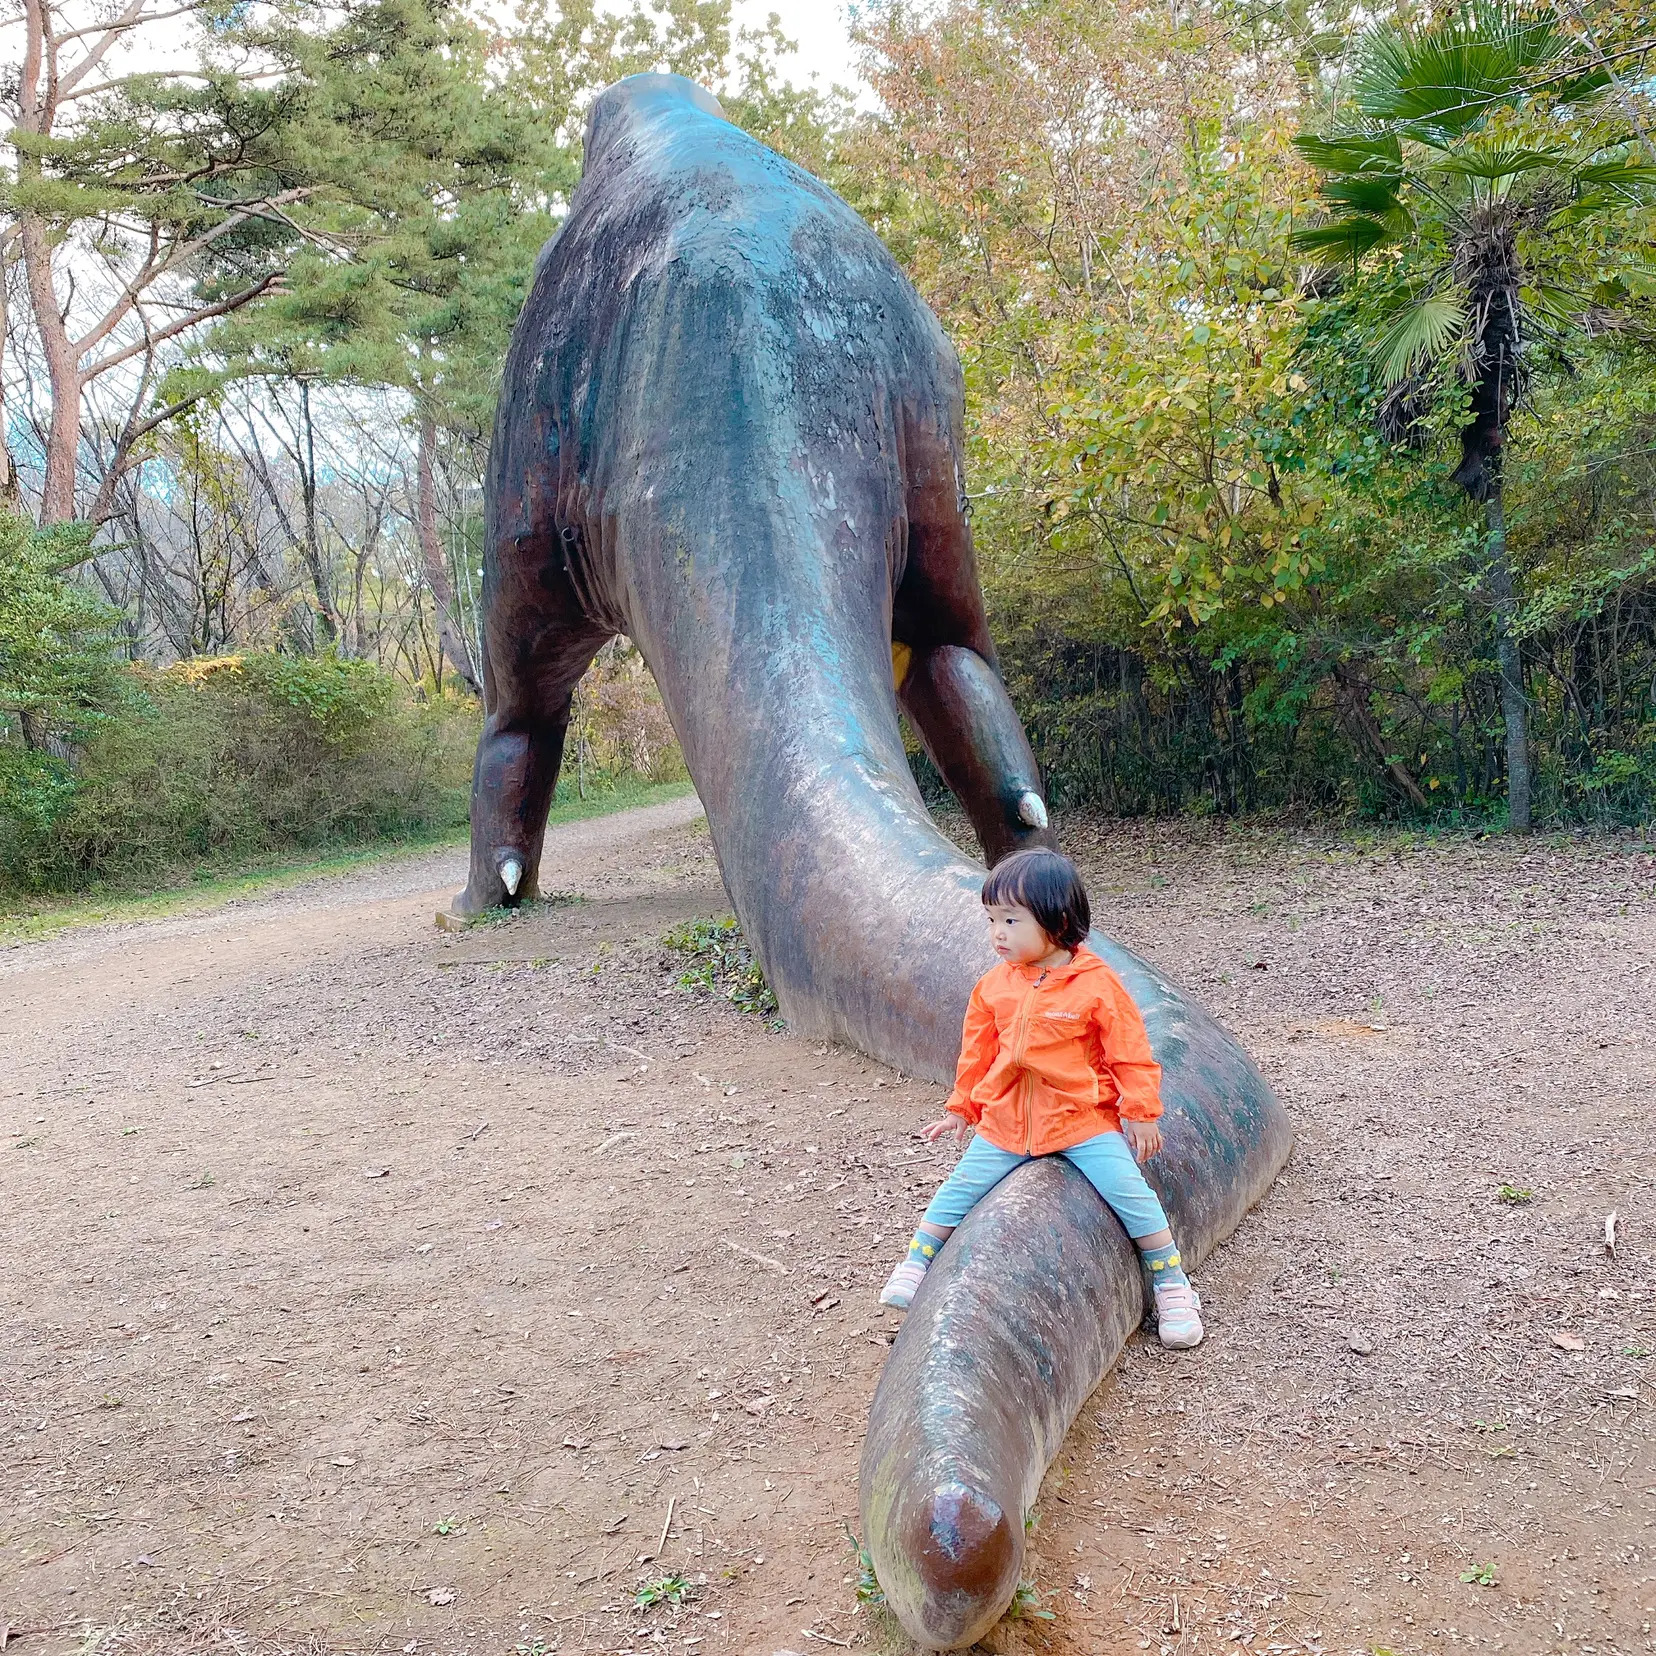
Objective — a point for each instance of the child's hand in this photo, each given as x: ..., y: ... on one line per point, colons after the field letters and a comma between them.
x: 934, y: 1130
x: 1143, y: 1138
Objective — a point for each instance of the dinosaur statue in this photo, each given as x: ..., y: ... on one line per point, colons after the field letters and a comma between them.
x: 730, y: 429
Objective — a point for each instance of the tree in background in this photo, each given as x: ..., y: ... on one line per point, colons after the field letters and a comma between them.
x: 1486, y: 203
x: 143, y: 205
x: 1096, y: 204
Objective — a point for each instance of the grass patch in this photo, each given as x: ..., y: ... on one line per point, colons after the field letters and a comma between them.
x: 719, y: 960
x: 29, y: 919
x: 671, y: 1589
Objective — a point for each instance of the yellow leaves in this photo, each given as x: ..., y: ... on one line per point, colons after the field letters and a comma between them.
x: 196, y: 671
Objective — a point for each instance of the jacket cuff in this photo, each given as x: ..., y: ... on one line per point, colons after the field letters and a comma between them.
x: 1140, y: 1112
x: 959, y: 1104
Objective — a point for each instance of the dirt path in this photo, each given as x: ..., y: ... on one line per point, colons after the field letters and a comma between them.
x: 370, y: 1288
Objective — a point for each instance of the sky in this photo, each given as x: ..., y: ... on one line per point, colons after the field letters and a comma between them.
x: 818, y: 26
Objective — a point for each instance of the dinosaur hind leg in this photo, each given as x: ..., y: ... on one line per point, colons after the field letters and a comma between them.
x: 966, y: 719
x: 951, y: 689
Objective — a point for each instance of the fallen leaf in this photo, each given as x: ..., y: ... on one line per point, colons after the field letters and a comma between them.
x: 441, y: 1595
x: 343, y: 1460
x: 675, y: 1443
x: 577, y: 1443
x: 1361, y: 1344
x: 1569, y: 1342
x: 1610, y: 1234
x: 758, y: 1405
x: 375, y: 1172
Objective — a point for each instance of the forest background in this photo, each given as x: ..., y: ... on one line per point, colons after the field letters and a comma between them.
x: 1311, y: 395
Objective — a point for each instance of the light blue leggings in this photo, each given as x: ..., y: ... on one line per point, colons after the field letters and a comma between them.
x: 1106, y: 1161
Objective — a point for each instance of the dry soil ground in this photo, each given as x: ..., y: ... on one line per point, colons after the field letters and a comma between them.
x: 370, y: 1288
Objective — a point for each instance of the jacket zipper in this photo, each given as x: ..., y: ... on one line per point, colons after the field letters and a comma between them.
x: 1028, y: 1080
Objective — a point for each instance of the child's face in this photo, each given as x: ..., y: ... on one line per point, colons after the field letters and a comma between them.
x: 1015, y: 934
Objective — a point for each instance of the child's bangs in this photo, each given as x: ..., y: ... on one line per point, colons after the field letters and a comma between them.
x: 1008, y: 883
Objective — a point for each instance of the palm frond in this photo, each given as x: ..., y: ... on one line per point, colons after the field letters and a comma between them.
x: 1344, y: 240
x: 1635, y: 177
x: 1585, y: 88
x: 1423, y: 333
x: 1551, y: 309
x: 1358, y: 193
x: 1350, y: 152
x: 1498, y: 163
x: 1441, y: 80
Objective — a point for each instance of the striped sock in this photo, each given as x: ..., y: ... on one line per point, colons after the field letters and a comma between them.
x: 1165, y: 1265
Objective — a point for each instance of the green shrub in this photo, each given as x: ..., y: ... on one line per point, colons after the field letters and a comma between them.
x: 216, y: 760
x: 56, y: 640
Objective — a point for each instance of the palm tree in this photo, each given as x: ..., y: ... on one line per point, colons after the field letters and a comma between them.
x: 1477, y: 144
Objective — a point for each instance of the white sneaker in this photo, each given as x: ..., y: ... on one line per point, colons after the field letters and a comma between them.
x: 1178, y: 1316
x: 902, y: 1285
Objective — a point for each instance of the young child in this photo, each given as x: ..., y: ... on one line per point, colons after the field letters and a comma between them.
x: 1055, y: 1061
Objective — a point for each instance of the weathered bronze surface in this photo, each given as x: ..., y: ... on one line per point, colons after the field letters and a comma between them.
x: 730, y: 428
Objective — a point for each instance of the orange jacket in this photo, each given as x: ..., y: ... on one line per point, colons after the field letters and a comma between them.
x: 1052, y: 1057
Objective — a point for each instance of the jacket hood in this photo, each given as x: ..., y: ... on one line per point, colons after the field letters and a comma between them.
x: 1082, y: 961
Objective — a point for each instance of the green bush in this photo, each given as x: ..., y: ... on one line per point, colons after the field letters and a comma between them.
x: 56, y: 638
x: 216, y: 760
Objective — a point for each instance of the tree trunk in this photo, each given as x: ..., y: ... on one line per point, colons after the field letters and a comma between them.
x: 57, y: 504
x: 305, y: 454
x: 1351, y: 700
x: 449, y: 635
x: 1514, y: 707
x: 9, y: 492
x: 36, y: 98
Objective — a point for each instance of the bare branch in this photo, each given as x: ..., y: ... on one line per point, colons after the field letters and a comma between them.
x: 153, y: 270
x: 136, y: 23
x: 131, y: 18
x: 147, y: 272
x: 103, y: 506
x: 171, y: 74
x: 205, y: 314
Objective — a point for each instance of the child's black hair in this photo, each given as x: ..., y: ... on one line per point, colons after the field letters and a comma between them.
x: 1049, y: 886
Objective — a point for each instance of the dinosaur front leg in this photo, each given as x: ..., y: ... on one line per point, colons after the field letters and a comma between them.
x: 532, y: 663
